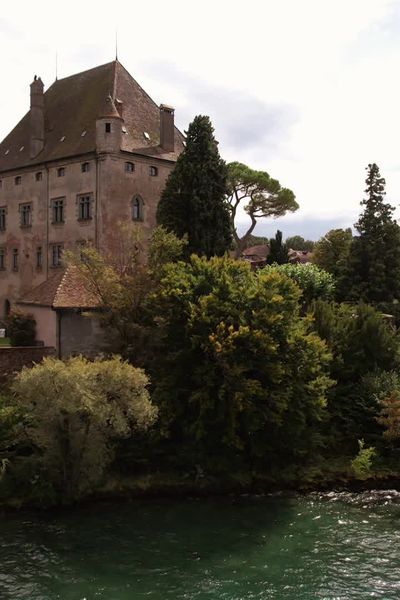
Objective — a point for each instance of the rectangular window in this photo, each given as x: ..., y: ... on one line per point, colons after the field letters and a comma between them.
x: 60, y: 172
x: 108, y: 127
x: 85, y: 167
x: 15, y: 259
x: 56, y: 254
x: 2, y: 259
x: 3, y: 222
x: 129, y: 167
x: 18, y: 180
x: 153, y: 171
x: 84, y: 207
x: 39, y: 176
x: 39, y: 257
x: 58, y: 205
x: 25, y: 213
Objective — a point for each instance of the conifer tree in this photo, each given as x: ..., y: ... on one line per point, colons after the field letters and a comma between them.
x: 278, y: 250
x: 374, y: 259
x: 192, y: 203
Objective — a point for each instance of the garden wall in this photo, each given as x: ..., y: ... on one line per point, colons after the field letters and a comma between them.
x: 14, y: 358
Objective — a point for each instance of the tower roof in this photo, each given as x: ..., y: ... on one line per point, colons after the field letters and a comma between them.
x: 71, y: 107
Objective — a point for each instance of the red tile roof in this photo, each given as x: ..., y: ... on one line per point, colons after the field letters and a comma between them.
x: 72, y: 105
x: 66, y: 289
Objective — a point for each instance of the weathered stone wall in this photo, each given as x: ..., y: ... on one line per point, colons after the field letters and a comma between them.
x: 80, y: 334
x: 13, y: 359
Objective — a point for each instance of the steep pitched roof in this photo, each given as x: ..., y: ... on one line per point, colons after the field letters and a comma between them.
x: 66, y: 289
x: 72, y: 105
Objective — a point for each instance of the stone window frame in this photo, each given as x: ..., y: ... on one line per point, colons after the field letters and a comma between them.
x: 82, y: 201
x: 3, y: 218
x: 137, y: 208
x: 129, y: 167
x: 39, y: 176
x: 85, y: 167
x: 25, y: 210
x: 3, y: 258
x: 56, y: 251
x: 153, y: 171
x: 58, y: 206
x: 61, y: 172
x: 107, y: 127
x: 15, y: 259
x: 18, y: 180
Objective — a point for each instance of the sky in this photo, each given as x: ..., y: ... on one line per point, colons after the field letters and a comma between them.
x: 305, y: 90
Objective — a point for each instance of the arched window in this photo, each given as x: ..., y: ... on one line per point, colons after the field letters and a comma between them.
x: 137, y: 209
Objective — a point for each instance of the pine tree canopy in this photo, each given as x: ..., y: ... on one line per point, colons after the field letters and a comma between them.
x: 193, y: 201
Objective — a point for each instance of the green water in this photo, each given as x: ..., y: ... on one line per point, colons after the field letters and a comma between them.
x: 336, y: 547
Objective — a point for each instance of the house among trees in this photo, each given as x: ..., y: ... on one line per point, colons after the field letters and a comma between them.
x: 92, y: 151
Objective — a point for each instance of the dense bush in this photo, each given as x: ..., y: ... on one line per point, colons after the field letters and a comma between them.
x: 21, y: 329
x: 73, y: 412
x: 314, y: 282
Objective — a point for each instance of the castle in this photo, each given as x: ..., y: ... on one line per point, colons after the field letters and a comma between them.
x: 92, y: 151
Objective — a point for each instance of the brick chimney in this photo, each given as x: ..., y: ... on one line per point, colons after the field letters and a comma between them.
x: 167, y: 130
x: 37, y: 117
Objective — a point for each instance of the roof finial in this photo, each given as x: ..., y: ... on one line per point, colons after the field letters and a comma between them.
x: 116, y: 44
x: 56, y: 65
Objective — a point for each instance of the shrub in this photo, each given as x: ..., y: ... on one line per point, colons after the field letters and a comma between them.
x: 362, y: 463
x: 21, y: 329
x: 74, y: 410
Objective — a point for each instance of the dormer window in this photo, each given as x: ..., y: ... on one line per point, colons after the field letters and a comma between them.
x: 137, y: 209
x: 129, y: 167
x: 85, y: 167
x: 18, y: 180
x: 108, y: 127
x: 61, y: 172
x: 39, y: 176
x: 153, y: 171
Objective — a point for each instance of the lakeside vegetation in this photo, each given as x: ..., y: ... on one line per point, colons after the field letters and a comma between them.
x: 229, y: 378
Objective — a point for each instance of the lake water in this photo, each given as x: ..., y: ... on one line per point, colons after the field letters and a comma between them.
x: 333, y: 546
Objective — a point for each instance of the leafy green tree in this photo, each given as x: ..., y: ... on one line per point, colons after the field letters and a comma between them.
x: 331, y: 253
x: 74, y: 411
x: 374, y: 261
x: 297, y: 242
x: 278, y: 251
x: 315, y: 283
x: 259, y: 194
x: 362, y: 343
x: 238, y: 377
x: 192, y: 204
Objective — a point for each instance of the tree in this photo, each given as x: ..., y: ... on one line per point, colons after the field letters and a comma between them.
x: 21, y: 328
x: 278, y: 250
x: 74, y: 411
x: 374, y: 260
x: 238, y: 377
x: 297, y: 242
x: 315, y: 283
x: 192, y: 203
x: 260, y: 195
x: 331, y: 253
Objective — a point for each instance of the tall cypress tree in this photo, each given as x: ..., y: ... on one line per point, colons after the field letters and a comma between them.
x: 192, y: 203
x: 278, y: 252
x: 374, y: 260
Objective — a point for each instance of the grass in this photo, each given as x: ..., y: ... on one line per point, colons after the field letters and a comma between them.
x: 4, y: 341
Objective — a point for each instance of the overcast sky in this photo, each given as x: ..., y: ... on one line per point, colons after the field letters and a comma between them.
x: 307, y: 90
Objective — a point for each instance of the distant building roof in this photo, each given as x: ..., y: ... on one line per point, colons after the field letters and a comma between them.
x: 260, y: 251
x: 71, y: 107
x: 300, y: 256
x: 64, y: 290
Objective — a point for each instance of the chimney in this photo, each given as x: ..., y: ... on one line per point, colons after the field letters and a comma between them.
x: 167, y: 130
x: 37, y: 117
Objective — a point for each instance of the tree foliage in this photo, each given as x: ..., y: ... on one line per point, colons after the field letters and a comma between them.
x: 278, y: 251
x: 331, y: 253
x: 315, y: 283
x: 259, y: 194
x: 238, y: 374
x: 21, y: 328
x: 74, y: 411
x: 192, y: 204
x: 374, y: 260
x: 297, y: 242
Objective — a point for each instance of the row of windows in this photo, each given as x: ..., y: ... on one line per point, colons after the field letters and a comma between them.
x: 56, y: 251
x: 85, y: 168
x: 84, y: 203
x: 58, y: 206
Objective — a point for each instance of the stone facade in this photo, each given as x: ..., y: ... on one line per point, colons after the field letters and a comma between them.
x: 78, y: 163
